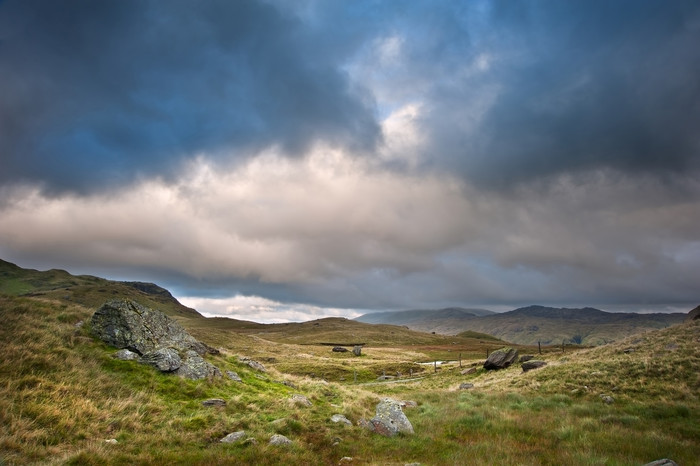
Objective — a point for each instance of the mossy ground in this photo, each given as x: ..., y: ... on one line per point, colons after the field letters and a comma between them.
x: 62, y: 396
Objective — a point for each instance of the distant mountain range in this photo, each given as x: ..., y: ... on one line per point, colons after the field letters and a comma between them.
x: 530, y: 325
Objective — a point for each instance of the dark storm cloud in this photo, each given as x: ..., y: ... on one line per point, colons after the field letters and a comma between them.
x: 96, y: 92
x: 600, y: 84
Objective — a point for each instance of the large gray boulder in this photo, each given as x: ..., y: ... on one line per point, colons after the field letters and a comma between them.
x: 389, y: 419
x: 127, y: 324
x: 500, y: 359
x: 159, y: 340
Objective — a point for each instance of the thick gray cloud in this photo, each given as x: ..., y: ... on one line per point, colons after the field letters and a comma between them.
x: 357, y: 154
x: 96, y: 92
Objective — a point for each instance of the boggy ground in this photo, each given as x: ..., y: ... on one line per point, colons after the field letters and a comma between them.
x: 62, y: 396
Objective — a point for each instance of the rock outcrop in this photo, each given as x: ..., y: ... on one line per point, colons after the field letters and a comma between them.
x: 389, y: 419
x: 693, y: 315
x: 152, y: 337
x: 500, y: 359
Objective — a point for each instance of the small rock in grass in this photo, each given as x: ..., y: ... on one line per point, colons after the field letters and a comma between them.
x: 345, y: 459
x: 526, y: 357
x: 468, y: 371
x: 466, y: 386
x: 234, y: 376
x: 357, y: 350
x: 340, y: 418
x: 607, y: 399
x: 111, y: 441
x: 533, y: 364
x: 279, y: 439
x: 408, y: 404
x: 214, y: 402
x: 662, y: 462
x: 233, y: 437
x: 339, y: 349
x: 301, y: 400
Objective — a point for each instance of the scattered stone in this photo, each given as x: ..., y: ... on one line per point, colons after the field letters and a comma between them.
x: 628, y: 350
x: 339, y: 349
x: 194, y: 367
x: 357, y: 350
x: 279, y: 439
x: 408, y: 404
x: 127, y: 324
x: 79, y: 324
x: 466, y: 386
x: 253, y: 364
x: 289, y: 384
x: 125, y: 355
x: 533, y: 364
x: 526, y: 357
x: 500, y: 359
x: 250, y: 441
x: 234, y: 376
x: 662, y: 462
x: 301, y: 400
x: 233, y: 437
x: 389, y: 419
x: 345, y: 459
x: 214, y: 402
x: 163, y: 359
x: 340, y: 418
x: 468, y: 371
x: 607, y: 399
x: 111, y: 441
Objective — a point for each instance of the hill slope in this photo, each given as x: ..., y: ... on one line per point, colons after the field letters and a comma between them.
x: 533, y: 324
x: 86, y: 290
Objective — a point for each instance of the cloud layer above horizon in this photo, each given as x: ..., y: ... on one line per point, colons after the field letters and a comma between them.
x: 356, y: 155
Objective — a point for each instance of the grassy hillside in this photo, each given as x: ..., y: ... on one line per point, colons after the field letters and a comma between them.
x: 62, y: 395
x: 86, y: 290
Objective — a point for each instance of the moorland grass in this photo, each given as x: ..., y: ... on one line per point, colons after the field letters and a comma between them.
x: 62, y: 395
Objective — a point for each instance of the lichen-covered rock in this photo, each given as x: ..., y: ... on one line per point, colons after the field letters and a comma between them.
x: 389, y: 419
x: 357, y: 350
x: 278, y: 439
x: 127, y: 324
x: 466, y: 386
x: 163, y: 359
x: 533, y: 364
x: 194, y: 367
x: 500, y: 359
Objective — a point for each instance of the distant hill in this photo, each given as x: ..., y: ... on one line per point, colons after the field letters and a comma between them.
x: 447, y: 321
x: 532, y: 324
x: 86, y: 290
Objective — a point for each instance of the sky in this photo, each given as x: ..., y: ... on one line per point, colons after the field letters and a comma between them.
x: 294, y: 159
